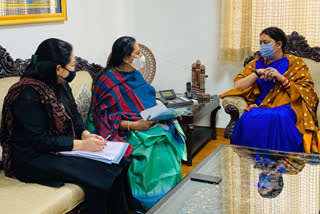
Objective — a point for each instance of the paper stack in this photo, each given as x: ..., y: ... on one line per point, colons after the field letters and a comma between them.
x: 161, y: 112
x: 112, y: 153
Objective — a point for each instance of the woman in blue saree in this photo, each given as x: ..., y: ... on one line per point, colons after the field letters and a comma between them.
x: 282, y: 102
x: 119, y: 96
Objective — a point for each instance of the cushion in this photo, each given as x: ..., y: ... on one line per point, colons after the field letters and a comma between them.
x: 82, y: 78
x: 314, y: 68
x: 83, y: 101
x: 81, y: 86
x: 17, y: 197
x: 5, y: 84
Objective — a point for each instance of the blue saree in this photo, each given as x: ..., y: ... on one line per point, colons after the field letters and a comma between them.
x: 269, y: 128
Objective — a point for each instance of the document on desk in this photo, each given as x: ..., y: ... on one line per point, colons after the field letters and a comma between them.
x: 161, y: 112
x: 112, y: 153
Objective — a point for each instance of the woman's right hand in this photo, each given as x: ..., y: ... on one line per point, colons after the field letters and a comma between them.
x: 92, y: 144
x: 142, y: 125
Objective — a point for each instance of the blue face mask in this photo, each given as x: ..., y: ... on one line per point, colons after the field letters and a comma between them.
x: 71, y: 76
x: 267, y: 51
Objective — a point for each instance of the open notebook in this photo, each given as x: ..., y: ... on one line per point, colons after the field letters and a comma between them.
x: 112, y: 153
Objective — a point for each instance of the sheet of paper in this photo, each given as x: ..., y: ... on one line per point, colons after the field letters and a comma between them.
x: 112, y: 153
x: 161, y: 112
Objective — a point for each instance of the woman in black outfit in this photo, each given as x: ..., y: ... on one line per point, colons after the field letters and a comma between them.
x: 40, y: 118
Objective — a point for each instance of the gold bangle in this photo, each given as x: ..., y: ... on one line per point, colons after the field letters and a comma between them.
x: 128, y: 125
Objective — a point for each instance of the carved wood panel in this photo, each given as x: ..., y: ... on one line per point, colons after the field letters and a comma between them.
x: 10, y: 67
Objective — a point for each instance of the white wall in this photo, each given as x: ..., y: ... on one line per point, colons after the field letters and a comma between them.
x: 177, y: 31
x: 91, y: 28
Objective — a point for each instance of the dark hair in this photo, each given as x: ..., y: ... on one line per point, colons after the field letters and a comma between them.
x: 276, y: 34
x: 121, y: 48
x: 43, y: 67
x: 49, y: 54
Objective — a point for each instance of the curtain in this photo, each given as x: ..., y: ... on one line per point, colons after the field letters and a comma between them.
x: 242, y: 21
x: 235, y: 30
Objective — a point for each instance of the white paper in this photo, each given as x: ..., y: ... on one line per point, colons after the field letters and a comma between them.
x: 161, y: 112
x: 112, y: 153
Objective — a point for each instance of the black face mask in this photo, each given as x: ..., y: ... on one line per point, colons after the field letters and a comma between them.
x: 71, y: 75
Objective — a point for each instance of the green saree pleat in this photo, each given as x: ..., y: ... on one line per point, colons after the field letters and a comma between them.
x: 156, y: 161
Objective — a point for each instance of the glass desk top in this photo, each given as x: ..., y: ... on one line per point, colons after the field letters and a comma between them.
x: 235, y: 179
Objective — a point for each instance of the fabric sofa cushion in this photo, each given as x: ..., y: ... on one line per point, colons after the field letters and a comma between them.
x: 83, y: 101
x: 314, y: 69
x: 81, y: 91
x: 18, y: 197
x: 5, y: 83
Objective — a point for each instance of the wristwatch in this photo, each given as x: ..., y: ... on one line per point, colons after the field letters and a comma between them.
x: 255, y: 71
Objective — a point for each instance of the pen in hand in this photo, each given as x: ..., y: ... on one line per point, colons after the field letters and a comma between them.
x: 106, y: 138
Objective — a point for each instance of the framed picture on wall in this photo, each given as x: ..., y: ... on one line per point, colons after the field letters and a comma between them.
x: 32, y: 11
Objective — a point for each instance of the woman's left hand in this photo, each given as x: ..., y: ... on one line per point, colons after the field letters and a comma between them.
x: 86, y: 134
x: 272, y: 73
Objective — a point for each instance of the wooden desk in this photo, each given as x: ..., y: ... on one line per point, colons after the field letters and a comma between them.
x: 199, y: 136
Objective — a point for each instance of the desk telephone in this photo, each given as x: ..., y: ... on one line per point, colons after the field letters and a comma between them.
x: 170, y: 99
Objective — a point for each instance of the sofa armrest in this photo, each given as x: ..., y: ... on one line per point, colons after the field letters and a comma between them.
x: 235, y: 106
x: 237, y: 101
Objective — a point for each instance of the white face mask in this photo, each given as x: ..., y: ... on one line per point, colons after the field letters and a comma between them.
x: 138, y: 63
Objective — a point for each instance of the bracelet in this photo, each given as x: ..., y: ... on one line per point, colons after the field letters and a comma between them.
x: 285, y: 79
x: 287, y: 84
x: 128, y: 125
x: 255, y: 71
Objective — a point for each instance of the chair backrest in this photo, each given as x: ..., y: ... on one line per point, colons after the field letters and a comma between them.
x: 149, y: 70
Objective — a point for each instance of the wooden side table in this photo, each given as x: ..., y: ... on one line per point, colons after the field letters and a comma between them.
x: 199, y: 136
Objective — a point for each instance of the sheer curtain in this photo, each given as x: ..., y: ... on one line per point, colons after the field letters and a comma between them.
x: 235, y: 29
x: 243, y: 20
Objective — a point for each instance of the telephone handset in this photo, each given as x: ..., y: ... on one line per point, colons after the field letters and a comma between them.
x: 189, y: 93
x: 164, y: 101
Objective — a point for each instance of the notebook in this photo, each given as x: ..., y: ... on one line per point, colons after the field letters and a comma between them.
x: 112, y: 153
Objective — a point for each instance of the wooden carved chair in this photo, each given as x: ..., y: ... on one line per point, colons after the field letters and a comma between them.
x: 298, y: 46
